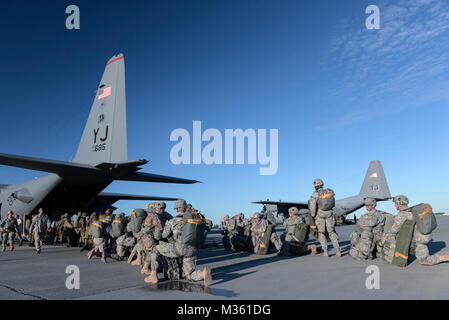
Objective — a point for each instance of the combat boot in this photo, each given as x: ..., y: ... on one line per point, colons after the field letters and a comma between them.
x: 38, y: 251
x: 145, y: 269
x: 11, y: 247
x: 4, y: 248
x: 312, y: 249
x: 138, y: 260
x: 152, y: 278
x: 90, y: 253
x: 444, y: 257
x: 207, y: 276
x: 326, y: 253
x: 103, y: 257
x: 338, y: 252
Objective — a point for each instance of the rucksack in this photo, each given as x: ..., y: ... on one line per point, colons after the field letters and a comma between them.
x: 326, y: 199
x: 424, y: 218
x: 193, y: 229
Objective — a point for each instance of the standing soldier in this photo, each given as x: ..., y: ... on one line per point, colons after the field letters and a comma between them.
x: 164, y: 216
x: 39, y: 227
x: 179, y: 249
x: 320, y: 206
x: 420, y: 240
x: 9, y: 229
x: 365, y: 239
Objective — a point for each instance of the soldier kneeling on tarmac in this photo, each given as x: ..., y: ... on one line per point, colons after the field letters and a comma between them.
x: 365, y: 239
x: 411, y: 232
x: 263, y: 236
x: 295, y: 236
x: 186, y: 231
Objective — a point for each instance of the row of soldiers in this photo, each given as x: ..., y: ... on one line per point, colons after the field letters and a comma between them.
x: 379, y: 234
x: 394, y: 238
x: 155, y: 240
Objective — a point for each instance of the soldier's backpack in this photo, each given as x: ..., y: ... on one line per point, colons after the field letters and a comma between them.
x: 424, y: 218
x: 299, y: 236
x: 403, y: 241
x: 97, y: 229
x: 137, y: 218
x: 118, y: 228
x: 264, y: 245
x: 326, y: 199
x: 389, y: 221
x: 193, y: 229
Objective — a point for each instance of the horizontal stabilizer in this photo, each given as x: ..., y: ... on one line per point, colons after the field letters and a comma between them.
x: 122, y: 196
x: 52, y: 166
x: 149, y: 177
x: 299, y: 205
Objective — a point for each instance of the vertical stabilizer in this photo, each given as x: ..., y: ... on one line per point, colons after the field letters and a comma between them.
x: 104, y: 137
x: 375, y: 184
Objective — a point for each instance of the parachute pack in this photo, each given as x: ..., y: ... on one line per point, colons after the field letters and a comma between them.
x: 193, y: 228
x: 97, y: 229
x: 424, y: 218
x: 299, y: 236
x: 264, y: 245
x: 118, y: 228
x: 403, y: 242
x: 326, y: 199
x: 137, y: 218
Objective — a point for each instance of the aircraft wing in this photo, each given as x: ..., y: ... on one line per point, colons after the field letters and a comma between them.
x: 52, y: 166
x: 149, y: 177
x: 299, y: 205
x: 121, y: 196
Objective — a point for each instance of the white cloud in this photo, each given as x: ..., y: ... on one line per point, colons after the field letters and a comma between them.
x: 406, y: 62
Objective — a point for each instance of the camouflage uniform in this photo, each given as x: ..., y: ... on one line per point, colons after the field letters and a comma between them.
x: 290, y: 225
x: 152, y: 233
x: 39, y: 227
x: 9, y: 228
x: 100, y: 243
x: 364, y: 240
x: 419, y: 240
x: 258, y: 229
x: 65, y: 234
x: 177, y: 249
x: 324, y: 220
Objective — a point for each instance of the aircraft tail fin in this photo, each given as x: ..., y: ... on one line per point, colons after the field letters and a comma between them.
x: 104, y: 138
x: 375, y: 184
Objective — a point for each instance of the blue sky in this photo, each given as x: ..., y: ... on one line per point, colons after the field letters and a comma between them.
x: 339, y: 94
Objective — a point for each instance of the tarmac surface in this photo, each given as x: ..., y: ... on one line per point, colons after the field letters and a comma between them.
x: 27, y: 275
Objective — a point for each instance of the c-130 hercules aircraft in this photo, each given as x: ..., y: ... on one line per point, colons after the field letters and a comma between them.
x: 102, y: 157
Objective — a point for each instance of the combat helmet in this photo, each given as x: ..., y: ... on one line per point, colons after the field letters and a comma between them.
x: 401, y: 200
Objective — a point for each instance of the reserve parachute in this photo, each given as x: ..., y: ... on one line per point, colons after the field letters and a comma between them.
x: 403, y: 242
